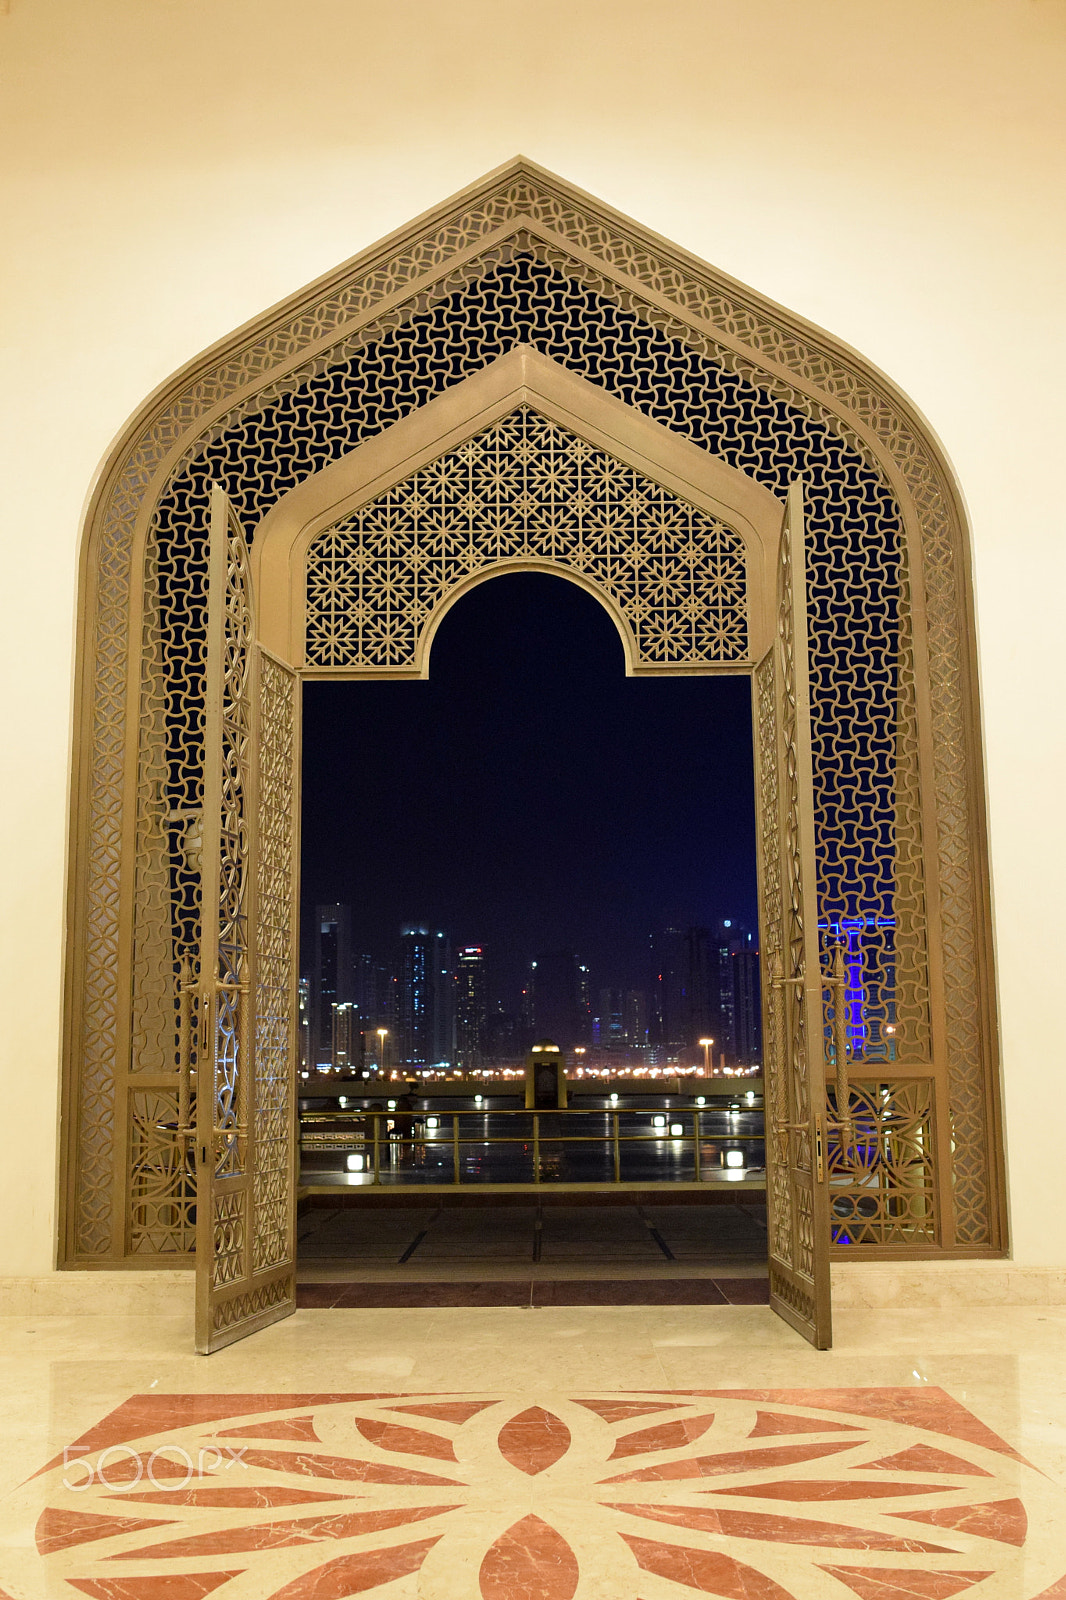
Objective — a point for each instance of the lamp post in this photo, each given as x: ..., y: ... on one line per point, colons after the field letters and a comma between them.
x: 383, y: 1034
x: 706, y: 1043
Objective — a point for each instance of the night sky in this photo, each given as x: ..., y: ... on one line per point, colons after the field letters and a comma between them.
x: 529, y: 796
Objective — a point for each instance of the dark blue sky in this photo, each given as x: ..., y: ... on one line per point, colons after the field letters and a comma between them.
x: 529, y: 796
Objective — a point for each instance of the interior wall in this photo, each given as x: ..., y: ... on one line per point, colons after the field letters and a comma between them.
x: 894, y: 173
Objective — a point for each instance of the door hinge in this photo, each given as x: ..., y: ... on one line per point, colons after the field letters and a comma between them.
x: 819, y: 1147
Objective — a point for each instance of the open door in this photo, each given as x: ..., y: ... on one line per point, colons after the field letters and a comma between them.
x: 241, y: 1030
x: 794, y: 1051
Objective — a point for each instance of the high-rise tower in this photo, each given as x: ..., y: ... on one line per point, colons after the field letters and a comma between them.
x: 331, y: 977
x: 470, y: 1007
x: 425, y: 1010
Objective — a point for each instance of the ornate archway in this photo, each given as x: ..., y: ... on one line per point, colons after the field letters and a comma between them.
x: 657, y: 339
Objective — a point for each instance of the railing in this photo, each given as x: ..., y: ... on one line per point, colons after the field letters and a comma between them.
x: 678, y: 1137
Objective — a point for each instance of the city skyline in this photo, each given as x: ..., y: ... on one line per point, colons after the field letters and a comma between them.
x: 529, y: 795
x: 437, y: 1001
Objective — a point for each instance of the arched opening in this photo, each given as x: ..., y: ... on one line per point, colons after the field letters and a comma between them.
x: 578, y: 848
x: 527, y: 327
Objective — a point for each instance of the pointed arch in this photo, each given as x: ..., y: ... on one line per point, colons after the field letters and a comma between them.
x: 524, y: 258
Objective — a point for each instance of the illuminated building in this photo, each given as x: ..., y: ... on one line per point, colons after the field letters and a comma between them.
x: 747, y: 1008
x: 331, y: 977
x: 635, y: 1018
x: 425, y: 1012
x: 347, y: 1048
x: 470, y: 1007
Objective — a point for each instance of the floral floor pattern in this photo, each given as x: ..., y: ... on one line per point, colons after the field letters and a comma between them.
x: 828, y: 1494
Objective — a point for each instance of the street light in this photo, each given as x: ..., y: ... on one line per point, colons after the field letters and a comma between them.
x: 706, y: 1043
x: 383, y: 1034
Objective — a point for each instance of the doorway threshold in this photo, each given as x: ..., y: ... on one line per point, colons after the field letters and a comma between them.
x: 535, y: 1293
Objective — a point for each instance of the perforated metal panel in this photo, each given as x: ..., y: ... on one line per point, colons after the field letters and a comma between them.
x: 893, y: 751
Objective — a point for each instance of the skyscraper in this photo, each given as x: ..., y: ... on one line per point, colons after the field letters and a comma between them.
x: 373, y: 993
x: 635, y: 1018
x: 559, y: 985
x: 610, y: 1020
x: 347, y: 1050
x: 470, y: 1008
x: 331, y: 977
x: 687, y: 986
x: 747, y: 1008
x: 425, y: 1002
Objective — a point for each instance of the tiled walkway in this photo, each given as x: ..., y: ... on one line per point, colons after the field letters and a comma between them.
x: 453, y: 1242
x: 555, y: 1454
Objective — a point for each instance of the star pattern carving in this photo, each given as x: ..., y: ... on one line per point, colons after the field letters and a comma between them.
x: 526, y: 489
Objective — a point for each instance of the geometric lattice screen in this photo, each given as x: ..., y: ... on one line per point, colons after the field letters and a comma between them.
x: 526, y: 488
x: 684, y: 349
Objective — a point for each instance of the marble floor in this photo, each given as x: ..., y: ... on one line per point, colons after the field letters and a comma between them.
x: 561, y: 1453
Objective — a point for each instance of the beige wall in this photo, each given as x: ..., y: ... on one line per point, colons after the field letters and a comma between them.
x: 893, y: 169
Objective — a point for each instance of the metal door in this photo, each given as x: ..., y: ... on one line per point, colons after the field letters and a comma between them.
x: 242, y: 1028
x: 794, y: 1050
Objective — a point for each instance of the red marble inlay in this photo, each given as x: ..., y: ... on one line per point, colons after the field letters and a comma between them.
x: 163, y: 1586
x: 405, y: 1441
x: 60, y: 1530
x: 348, y: 1524
x: 355, y: 1574
x: 890, y: 1583
x: 664, y: 1436
x: 448, y: 1410
x: 927, y: 1407
x: 310, y: 1465
x: 833, y: 1489
x: 622, y: 1410
x: 534, y: 1440
x: 924, y: 1458
x: 1004, y: 1520
x: 706, y: 1570
x: 769, y: 1423
x: 144, y: 1414
x: 299, y: 1428
x: 279, y: 1535
x: 731, y: 1461
x: 531, y: 1561
x: 780, y: 1530
x: 113, y: 1470
x: 233, y: 1495
x: 1056, y: 1592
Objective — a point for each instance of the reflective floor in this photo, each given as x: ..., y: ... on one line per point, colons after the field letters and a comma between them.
x: 555, y: 1454
x: 464, y: 1254
x: 520, y: 1235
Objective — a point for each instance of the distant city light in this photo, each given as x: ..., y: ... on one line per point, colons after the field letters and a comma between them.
x: 676, y: 1129
x: 734, y: 1158
x: 658, y: 1122
x: 355, y: 1163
